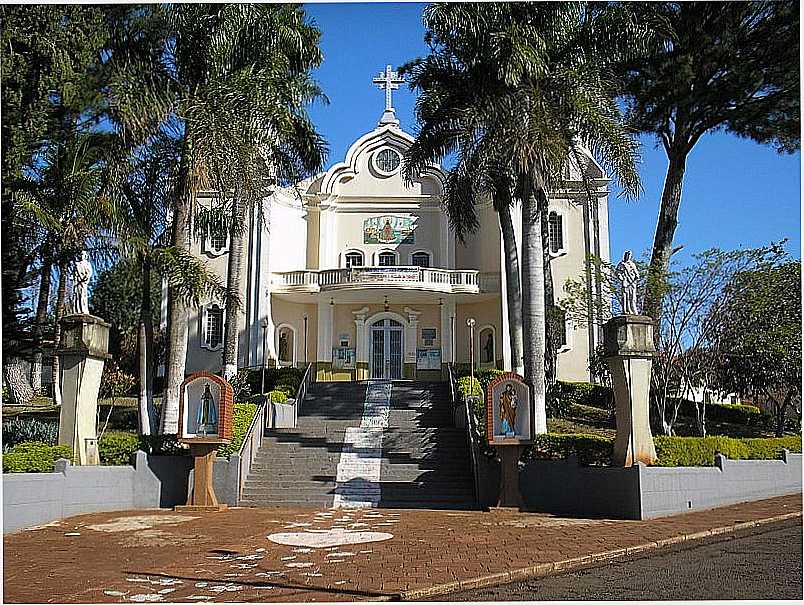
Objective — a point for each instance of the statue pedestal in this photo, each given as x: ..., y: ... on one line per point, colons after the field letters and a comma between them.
x: 86, y: 342
x: 510, y: 496
x: 629, y: 349
x: 203, y: 496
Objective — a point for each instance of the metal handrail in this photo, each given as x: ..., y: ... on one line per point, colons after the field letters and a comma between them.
x: 470, y: 430
x: 301, y: 392
x: 248, y: 451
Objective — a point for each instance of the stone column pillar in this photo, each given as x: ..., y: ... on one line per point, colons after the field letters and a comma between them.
x: 86, y: 343
x: 447, y: 311
x: 411, y: 339
x: 361, y: 344
x: 629, y: 349
x: 326, y: 317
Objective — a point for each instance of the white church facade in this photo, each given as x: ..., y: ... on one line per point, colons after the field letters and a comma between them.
x: 359, y: 274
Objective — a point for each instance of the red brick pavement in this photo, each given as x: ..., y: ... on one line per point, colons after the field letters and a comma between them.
x: 226, y: 556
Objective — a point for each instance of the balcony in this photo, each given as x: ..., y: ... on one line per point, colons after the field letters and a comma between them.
x: 446, y: 281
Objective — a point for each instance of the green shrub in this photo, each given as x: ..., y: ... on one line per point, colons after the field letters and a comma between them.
x: 277, y: 396
x: 289, y: 390
x: 18, y: 430
x: 734, y: 413
x: 585, y: 393
x: 590, y: 414
x: 242, y: 415
x: 34, y: 457
x: 115, y: 448
x: 589, y: 449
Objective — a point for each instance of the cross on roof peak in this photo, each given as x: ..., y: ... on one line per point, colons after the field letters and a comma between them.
x: 388, y: 80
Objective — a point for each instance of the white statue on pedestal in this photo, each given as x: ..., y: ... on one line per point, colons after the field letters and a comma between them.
x: 628, y: 274
x: 82, y: 274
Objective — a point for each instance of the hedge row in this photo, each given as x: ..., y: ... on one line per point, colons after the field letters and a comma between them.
x: 590, y: 449
x: 700, y: 451
x: 34, y: 457
x: 724, y: 412
x: 583, y: 393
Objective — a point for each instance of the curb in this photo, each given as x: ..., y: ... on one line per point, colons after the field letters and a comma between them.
x: 546, y: 569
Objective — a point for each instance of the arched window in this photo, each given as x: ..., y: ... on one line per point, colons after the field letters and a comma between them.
x: 353, y: 258
x: 487, y: 347
x: 212, y: 321
x: 286, y: 346
x: 215, y: 243
x: 556, y: 225
x: 386, y: 259
x: 420, y: 259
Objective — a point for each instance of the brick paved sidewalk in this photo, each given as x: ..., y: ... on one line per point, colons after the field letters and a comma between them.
x: 163, y: 556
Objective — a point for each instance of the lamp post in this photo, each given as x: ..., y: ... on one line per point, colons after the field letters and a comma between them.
x: 471, y: 323
x: 264, y: 326
x: 305, y: 339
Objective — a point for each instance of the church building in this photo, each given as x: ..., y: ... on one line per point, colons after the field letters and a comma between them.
x: 359, y: 274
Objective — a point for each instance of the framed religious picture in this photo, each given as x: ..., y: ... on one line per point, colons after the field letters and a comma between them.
x: 509, y: 418
x: 205, y: 409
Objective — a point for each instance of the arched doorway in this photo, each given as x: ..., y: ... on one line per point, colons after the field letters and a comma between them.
x: 386, y: 349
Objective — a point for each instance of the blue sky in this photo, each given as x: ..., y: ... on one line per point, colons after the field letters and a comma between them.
x: 736, y: 193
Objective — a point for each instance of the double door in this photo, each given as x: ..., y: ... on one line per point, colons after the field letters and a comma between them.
x: 386, y: 350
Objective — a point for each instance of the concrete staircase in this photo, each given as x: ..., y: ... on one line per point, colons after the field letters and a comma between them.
x: 425, y: 462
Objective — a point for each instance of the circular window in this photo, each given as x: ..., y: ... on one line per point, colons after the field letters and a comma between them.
x: 386, y: 161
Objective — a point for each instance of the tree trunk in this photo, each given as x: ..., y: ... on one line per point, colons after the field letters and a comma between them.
x: 551, y: 326
x: 19, y: 390
x: 234, y: 288
x: 513, y: 288
x: 176, y: 361
x: 665, y: 231
x: 533, y: 307
x: 145, y: 349
x: 39, y: 320
x: 61, y: 294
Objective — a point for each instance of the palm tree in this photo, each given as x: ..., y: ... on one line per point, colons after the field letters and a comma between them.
x: 214, y: 57
x: 67, y: 198
x: 528, y: 83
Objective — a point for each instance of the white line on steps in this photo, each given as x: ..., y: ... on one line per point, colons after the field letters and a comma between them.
x: 357, y: 480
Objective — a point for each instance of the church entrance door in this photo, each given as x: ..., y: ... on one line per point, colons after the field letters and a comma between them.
x: 386, y: 349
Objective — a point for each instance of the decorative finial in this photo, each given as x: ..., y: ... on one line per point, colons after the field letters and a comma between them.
x: 388, y: 80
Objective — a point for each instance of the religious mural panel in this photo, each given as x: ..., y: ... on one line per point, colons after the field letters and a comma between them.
x: 388, y: 230
x: 509, y: 419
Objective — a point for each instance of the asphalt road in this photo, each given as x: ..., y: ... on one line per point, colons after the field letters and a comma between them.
x: 765, y: 563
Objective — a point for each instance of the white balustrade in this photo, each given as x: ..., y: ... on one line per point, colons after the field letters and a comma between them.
x: 448, y: 280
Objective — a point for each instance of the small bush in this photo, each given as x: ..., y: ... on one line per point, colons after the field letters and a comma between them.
x: 35, y: 457
x: 286, y: 389
x: 277, y: 396
x: 115, y: 448
x: 589, y: 449
x: 242, y: 415
x: 18, y: 430
x: 590, y: 414
x: 585, y: 393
